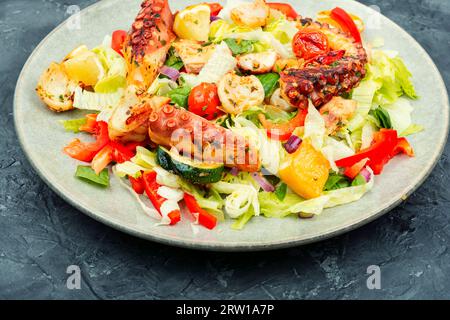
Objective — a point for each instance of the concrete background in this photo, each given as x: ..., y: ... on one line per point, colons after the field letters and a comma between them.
x: 41, y: 235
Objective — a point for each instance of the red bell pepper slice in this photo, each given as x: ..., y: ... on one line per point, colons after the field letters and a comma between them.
x: 353, y: 171
x: 91, y: 124
x: 204, y: 217
x: 118, y: 39
x: 284, y: 8
x: 151, y: 189
x: 102, y: 159
x: 346, y: 22
x: 283, y: 131
x: 137, y: 184
x: 86, y: 151
x: 386, y: 145
x: 404, y: 147
x: 215, y: 8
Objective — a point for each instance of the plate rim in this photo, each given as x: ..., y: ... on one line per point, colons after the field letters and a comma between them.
x: 234, y: 246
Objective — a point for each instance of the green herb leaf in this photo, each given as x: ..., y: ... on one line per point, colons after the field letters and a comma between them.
x: 269, y: 82
x: 87, y: 174
x: 239, y: 47
x: 281, y: 191
x: 180, y: 96
x: 73, y: 125
x: 336, y: 181
x: 174, y: 61
x: 382, y: 117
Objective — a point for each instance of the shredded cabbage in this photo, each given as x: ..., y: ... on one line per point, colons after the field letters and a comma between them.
x: 116, y: 70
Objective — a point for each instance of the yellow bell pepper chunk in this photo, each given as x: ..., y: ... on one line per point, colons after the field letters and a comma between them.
x: 306, y: 171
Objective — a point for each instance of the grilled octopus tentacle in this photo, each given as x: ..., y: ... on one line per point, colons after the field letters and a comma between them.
x: 195, y: 136
x: 321, y: 82
x: 148, y: 42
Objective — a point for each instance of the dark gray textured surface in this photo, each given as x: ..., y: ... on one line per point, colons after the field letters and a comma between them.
x: 41, y: 235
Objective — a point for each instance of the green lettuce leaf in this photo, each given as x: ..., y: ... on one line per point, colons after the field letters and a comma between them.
x: 73, y: 125
x: 87, y: 174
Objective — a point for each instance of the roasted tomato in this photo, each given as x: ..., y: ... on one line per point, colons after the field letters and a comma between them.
x: 204, y: 100
x: 308, y: 44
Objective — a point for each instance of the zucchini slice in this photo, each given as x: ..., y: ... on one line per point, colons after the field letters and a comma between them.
x: 193, y: 171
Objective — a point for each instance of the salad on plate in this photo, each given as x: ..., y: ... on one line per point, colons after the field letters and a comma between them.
x: 235, y: 111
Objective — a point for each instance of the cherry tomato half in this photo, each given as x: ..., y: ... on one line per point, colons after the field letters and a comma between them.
x: 308, y: 44
x: 118, y: 38
x: 204, y: 100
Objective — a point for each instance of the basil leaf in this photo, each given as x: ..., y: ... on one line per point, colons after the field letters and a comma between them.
x: 359, y: 181
x: 174, y: 61
x: 180, y: 96
x: 73, y: 125
x: 382, y: 117
x: 281, y: 191
x: 336, y: 181
x: 269, y: 82
x: 87, y: 174
x: 239, y: 47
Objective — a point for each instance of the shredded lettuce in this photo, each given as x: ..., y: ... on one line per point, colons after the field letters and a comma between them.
x: 129, y: 169
x: 116, y: 70
x: 220, y: 63
x: 162, y: 86
x: 242, y: 195
x: 412, y: 129
x: 73, y: 125
x: 145, y: 158
x: 272, y: 207
x: 87, y: 100
x: 400, y: 114
x: 266, y: 39
x: 282, y: 29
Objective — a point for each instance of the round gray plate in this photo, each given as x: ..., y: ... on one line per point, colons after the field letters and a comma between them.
x: 42, y: 139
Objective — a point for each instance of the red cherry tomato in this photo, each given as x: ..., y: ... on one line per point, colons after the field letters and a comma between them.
x: 284, y: 8
x: 309, y: 43
x: 215, y: 8
x: 204, y: 100
x: 118, y: 38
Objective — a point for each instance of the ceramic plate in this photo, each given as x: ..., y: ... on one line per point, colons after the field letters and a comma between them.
x: 42, y: 139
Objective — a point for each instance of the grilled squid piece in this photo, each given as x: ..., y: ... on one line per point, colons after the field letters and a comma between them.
x: 257, y: 63
x: 55, y: 88
x: 194, y: 54
x: 195, y: 136
x: 252, y: 15
x: 337, y: 112
x: 148, y: 43
x: 319, y: 81
x: 238, y: 94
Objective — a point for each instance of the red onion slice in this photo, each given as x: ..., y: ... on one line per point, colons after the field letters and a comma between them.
x: 172, y: 73
x: 366, y: 174
x: 265, y: 185
x: 215, y: 18
x: 292, y: 144
x: 234, y: 171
